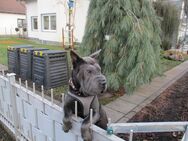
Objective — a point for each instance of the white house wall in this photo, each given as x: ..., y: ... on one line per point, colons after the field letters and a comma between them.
x: 31, y: 10
x: 9, y: 23
x: 39, y: 7
x: 49, y: 7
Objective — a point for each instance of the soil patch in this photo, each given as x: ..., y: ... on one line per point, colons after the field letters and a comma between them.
x: 171, y: 105
x: 7, y: 42
x: 4, y: 136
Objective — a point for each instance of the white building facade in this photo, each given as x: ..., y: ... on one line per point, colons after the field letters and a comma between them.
x: 12, y: 15
x: 46, y: 19
x: 9, y: 23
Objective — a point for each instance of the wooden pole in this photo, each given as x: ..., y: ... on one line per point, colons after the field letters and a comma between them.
x: 72, y: 37
x: 63, y: 38
x: 69, y: 27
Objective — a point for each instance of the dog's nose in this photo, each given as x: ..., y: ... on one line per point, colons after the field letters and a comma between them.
x: 104, y: 83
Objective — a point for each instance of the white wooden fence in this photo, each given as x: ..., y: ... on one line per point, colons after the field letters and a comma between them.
x: 32, y: 117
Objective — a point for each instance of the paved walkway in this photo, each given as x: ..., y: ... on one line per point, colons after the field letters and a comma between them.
x: 125, y: 107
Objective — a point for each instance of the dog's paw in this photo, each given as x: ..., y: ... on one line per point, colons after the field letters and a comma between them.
x: 88, y: 138
x: 67, y: 128
x: 67, y: 125
x: 86, y: 133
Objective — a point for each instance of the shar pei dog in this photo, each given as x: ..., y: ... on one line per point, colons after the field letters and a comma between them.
x: 86, y: 83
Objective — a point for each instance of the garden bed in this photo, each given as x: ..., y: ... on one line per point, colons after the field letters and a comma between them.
x: 4, y: 136
x: 171, y: 105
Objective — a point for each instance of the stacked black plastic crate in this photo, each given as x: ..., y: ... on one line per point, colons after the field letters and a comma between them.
x: 26, y: 62
x: 14, y: 57
x: 50, y: 68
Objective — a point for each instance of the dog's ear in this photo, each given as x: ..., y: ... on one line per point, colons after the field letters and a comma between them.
x: 95, y: 55
x: 76, y: 59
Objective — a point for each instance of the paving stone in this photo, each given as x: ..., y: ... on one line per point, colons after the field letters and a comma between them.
x: 121, y: 106
x: 159, y: 79
x: 147, y: 91
x: 173, y: 73
x: 158, y: 84
x: 171, y: 76
x: 173, y: 70
x: 139, y: 93
x: 138, y: 108
x: 145, y: 103
x: 151, y: 98
x: 123, y: 120
x: 114, y: 115
x: 130, y: 114
x: 135, y: 99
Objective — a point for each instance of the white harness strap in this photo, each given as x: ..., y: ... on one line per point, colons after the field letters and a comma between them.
x: 85, y: 101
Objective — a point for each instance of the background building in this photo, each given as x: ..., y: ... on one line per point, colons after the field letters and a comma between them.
x: 12, y: 15
x: 46, y: 19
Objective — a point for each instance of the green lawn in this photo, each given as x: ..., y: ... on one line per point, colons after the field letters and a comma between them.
x: 5, y: 42
x: 168, y: 64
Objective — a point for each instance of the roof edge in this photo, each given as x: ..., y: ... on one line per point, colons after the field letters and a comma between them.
x: 10, y: 12
x: 25, y: 0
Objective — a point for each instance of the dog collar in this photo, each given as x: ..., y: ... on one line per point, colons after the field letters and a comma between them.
x: 71, y: 84
x: 73, y: 87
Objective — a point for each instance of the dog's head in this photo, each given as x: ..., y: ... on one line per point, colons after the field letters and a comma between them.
x: 86, y: 74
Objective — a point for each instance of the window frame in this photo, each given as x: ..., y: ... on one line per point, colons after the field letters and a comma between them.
x: 49, y: 22
x: 22, y: 23
x: 32, y: 23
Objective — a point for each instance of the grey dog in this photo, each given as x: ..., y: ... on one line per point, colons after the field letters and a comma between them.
x: 86, y: 84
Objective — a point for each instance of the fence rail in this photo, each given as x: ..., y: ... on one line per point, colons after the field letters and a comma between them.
x: 149, y: 127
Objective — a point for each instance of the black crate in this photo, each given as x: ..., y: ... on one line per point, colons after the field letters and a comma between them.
x: 14, y: 57
x: 50, y: 68
x: 26, y: 62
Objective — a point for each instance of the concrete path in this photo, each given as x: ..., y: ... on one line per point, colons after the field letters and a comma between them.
x: 125, y: 107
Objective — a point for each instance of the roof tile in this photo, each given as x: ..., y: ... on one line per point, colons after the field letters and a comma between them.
x: 12, y: 6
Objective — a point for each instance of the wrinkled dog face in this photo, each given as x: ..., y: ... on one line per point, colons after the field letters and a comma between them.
x: 87, y: 74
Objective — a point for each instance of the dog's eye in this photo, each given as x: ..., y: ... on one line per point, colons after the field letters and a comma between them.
x: 89, y: 71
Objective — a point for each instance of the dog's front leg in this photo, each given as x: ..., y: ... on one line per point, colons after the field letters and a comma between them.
x: 67, y: 124
x: 85, y: 129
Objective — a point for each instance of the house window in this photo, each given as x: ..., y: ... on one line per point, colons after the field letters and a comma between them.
x: 49, y: 22
x: 34, y: 23
x: 21, y: 23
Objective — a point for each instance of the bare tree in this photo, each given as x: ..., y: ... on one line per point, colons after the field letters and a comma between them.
x: 186, y: 13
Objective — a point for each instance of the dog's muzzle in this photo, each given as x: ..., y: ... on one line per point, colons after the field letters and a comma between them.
x: 102, y: 83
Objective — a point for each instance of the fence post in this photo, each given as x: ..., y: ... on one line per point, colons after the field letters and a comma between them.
x: 131, y: 136
x: 185, y: 136
x: 12, y: 81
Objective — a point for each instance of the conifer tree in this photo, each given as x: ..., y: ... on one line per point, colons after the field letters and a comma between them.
x: 186, y: 13
x: 186, y: 7
x: 128, y: 32
x: 170, y: 17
